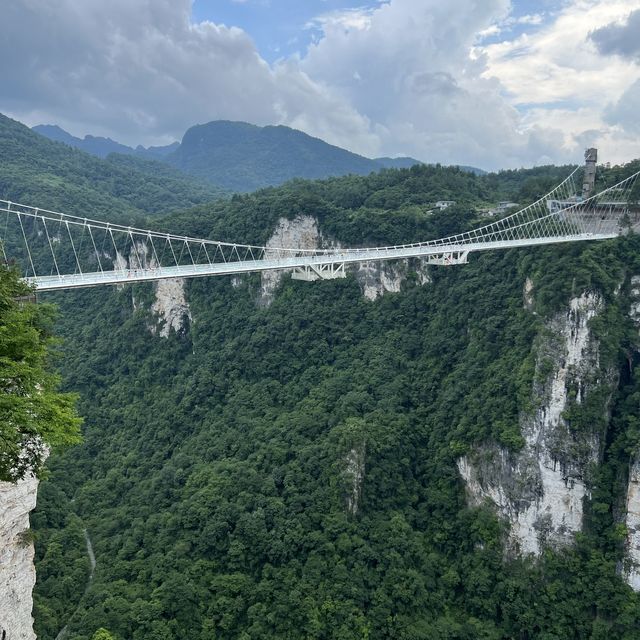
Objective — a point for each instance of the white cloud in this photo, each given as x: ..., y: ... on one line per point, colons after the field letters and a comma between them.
x: 421, y: 87
x: 404, y: 77
x: 620, y: 38
x: 625, y: 111
x: 559, y: 78
x: 357, y: 18
x: 531, y: 18
x: 142, y: 72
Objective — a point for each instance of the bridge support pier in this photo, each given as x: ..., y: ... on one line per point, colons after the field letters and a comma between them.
x: 449, y: 258
x: 311, y: 273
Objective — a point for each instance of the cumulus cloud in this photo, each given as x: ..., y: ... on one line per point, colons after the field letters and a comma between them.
x: 141, y: 71
x: 407, y: 66
x: 398, y: 77
x: 624, y: 112
x: 559, y: 79
x: 621, y: 38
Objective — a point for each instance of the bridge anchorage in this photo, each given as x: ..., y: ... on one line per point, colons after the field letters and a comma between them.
x: 59, y: 251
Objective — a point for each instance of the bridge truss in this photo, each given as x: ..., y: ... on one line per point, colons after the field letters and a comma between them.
x: 61, y: 251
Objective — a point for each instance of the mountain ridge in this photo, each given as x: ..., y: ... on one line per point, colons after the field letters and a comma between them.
x: 242, y: 157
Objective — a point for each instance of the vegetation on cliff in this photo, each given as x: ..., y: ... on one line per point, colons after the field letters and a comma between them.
x: 34, y: 415
x: 219, y: 472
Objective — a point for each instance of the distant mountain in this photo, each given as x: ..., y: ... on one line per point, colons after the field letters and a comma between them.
x: 99, y: 146
x: 397, y: 163
x: 478, y: 172
x: 244, y: 157
x: 95, y: 145
x: 35, y: 170
x: 156, y: 153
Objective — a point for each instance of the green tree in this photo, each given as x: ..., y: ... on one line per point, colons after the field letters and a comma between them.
x: 102, y: 634
x: 33, y: 414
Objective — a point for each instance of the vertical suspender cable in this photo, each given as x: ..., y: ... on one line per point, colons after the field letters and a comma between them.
x: 24, y: 235
x: 73, y: 246
x: 93, y: 242
x: 53, y: 253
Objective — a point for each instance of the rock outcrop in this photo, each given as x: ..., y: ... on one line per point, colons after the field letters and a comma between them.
x: 170, y: 307
x: 631, y: 570
x: 541, y: 489
x: 355, y: 477
x: 634, y: 310
x: 302, y: 232
x: 17, y: 572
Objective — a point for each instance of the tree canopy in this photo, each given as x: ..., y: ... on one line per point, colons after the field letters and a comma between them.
x: 34, y: 415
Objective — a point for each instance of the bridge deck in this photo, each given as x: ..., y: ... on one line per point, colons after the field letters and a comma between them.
x: 348, y: 256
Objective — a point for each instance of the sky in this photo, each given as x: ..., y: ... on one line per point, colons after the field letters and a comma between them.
x: 490, y: 83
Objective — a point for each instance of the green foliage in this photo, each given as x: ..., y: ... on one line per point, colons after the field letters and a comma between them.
x: 34, y: 415
x: 40, y: 172
x: 214, y: 473
x: 244, y: 157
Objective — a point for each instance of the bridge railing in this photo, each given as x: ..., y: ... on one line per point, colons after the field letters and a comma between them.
x: 49, y: 244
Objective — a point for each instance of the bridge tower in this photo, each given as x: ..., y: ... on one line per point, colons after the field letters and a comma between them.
x: 589, y: 180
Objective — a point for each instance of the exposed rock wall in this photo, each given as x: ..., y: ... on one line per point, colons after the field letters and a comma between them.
x: 632, y: 521
x: 540, y: 490
x: 631, y: 570
x: 17, y: 572
x: 355, y: 477
x: 634, y: 310
x: 527, y: 294
x: 170, y: 307
x: 302, y: 232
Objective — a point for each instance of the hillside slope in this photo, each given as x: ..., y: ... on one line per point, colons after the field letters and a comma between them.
x: 100, y: 146
x: 291, y: 469
x: 51, y: 175
x: 244, y: 157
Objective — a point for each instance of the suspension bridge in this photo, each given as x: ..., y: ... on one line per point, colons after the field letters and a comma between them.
x: 60, y: 251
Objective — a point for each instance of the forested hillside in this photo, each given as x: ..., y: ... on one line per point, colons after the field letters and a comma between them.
x: 239, y: 156
x: 216, y: 478
x: 244, y: 157
x: 51, y: 175
x: 34, y: 416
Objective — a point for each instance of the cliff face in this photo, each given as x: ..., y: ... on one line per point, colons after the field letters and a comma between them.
x: 632, y: 521
x: 170, y: 307
x: 631, y: 571
x: 17, y: 572
x: 541, y: 489
x: 302, y: 232
x: 355, y: 476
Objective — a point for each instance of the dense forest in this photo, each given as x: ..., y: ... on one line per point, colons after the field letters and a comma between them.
x: 34, y: 415
x: 239, y: 156
x: 214, y: 473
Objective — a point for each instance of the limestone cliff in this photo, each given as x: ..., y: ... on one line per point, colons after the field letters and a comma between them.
x: 632, y: 521
x: 541, y: 489
x: 631, y: 571
x: 170, y: 307
x: 302, y: 232
x: 355, y: 477
x: 17, y: 572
